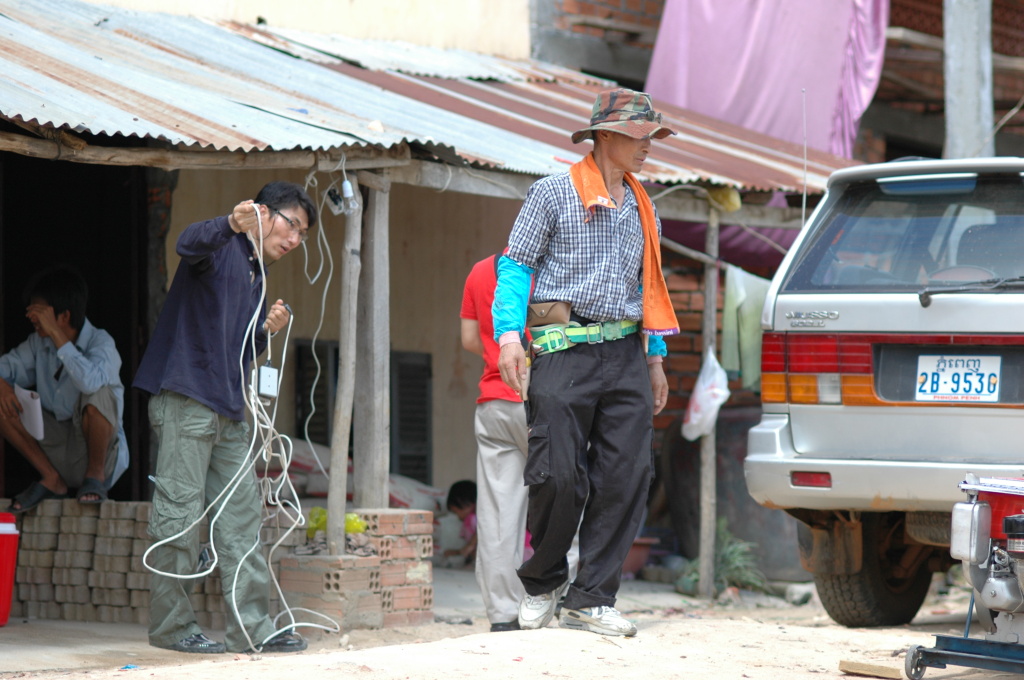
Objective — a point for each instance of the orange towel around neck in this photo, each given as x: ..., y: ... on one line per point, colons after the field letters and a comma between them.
x: 659, y: 316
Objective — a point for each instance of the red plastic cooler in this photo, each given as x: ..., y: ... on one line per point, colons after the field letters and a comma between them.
x: 8, y: 560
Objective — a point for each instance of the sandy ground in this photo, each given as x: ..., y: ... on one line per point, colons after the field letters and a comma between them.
x: 755, y: 637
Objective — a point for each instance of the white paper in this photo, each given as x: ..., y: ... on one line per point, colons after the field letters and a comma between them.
x: 31, y: 411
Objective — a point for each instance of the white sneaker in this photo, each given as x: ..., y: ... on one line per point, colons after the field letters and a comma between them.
x: 536, y: 611
x: 602, y: 620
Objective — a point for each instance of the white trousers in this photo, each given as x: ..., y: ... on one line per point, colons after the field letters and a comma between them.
x: 501, y: 500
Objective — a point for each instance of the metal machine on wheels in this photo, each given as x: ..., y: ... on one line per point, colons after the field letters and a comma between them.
x: 988, y: 537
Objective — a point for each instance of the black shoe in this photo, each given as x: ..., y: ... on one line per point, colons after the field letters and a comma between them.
x: 285, y: 642
x: 505, y: 627
x: 198, y: 644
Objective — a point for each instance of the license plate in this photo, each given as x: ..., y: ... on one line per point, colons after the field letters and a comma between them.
x: 943, y: 377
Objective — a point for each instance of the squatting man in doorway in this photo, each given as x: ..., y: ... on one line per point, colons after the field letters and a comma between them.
x: 72, y: 369
x: 590, y: 237
x: 193, y: 367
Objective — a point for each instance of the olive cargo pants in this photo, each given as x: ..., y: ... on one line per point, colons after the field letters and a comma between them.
x: 199, y: 454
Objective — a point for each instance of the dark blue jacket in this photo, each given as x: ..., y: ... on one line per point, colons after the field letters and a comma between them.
x: 198, y: 339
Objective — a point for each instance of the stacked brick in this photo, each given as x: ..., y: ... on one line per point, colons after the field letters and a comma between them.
x: 84, y: 563
x: 392, y: 588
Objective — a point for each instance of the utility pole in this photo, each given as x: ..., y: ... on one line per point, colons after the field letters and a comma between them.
x: 967, y: 67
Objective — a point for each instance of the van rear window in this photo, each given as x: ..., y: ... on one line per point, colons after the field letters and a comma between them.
x: 900, y: 234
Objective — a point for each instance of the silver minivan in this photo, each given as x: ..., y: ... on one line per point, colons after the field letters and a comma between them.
x: 892, y: 365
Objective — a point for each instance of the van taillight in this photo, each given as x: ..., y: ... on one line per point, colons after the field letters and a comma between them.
x: 813, y: 353
x: 804, y: 368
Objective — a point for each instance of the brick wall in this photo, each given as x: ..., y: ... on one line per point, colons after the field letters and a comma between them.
x: 393, y: 588
x: 685, y: 280
x: 638, y: 18
x: 84, y: 563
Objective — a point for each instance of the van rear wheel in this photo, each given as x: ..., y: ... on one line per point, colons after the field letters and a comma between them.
x: 891, y: 585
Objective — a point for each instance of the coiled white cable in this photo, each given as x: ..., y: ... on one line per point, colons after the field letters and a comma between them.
x: 274, y: 494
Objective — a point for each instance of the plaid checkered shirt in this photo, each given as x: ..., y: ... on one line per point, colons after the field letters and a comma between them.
x: 594, y: 265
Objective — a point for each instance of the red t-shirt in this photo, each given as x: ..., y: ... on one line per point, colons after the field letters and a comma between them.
x: 477, y: 297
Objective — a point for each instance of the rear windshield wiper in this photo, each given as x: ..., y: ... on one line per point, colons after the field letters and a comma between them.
x: 926, y: 293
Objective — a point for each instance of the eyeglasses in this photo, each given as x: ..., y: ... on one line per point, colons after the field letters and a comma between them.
x: 296, y: 229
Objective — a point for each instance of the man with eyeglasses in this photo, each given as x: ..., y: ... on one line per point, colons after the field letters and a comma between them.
x: 590, y: 240
x: 195, y: 367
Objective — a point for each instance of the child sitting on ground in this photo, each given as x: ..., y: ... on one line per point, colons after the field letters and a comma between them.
x: 462, y: 503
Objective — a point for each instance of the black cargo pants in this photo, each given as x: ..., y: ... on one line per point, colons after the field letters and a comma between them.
x: 590, y: 466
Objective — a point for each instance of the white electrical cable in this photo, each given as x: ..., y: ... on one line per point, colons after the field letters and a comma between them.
x: 322, y: 243
x: 263, y: 428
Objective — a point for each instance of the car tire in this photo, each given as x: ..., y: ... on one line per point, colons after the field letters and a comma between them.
x: 875, y: 596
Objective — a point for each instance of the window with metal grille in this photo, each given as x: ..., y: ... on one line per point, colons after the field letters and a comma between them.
x: 411, y: 405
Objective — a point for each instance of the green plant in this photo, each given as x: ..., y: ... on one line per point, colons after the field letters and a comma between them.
x: 735, y: 565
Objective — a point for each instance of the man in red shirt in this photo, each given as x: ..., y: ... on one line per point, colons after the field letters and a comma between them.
x: 500, y: 428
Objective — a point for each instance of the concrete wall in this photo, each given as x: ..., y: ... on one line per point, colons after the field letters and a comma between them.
x: 435, y: 240
x: 485, y: 26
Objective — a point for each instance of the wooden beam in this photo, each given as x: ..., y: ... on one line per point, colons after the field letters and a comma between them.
x: 687, y: 203
x: 182, y: 159
x: 374, y: 181
x: 703, y: 258
x: 341, y: 428
x: 62, y: 137
x: 372, y: 417
x: 692, y: 206
x: 464, y: 180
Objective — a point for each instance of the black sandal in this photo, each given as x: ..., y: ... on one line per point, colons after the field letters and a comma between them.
x: 33, y: 496
x: 91, y: 487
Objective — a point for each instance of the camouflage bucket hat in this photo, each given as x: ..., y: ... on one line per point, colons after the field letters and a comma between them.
x: 625, y: 111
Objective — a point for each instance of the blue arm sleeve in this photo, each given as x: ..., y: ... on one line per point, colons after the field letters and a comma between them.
x: 656, y: 346
x: 511, y: 297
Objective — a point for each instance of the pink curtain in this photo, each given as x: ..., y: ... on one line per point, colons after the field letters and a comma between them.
x: 759, y: 63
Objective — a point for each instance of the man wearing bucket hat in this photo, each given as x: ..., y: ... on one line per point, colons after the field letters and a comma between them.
x: 590, y: 239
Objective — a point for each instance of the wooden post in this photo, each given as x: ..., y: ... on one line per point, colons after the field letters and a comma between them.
x: 372, y: 453
x: 708, y: 491
x: 341, y: 426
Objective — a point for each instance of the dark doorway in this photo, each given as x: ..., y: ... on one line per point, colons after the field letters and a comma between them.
x: 92, y: 217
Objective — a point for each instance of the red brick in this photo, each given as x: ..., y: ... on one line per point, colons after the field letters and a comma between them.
x: 675, y: 402
x: 368, y: 602
x: 690, y: 321
x: 402, y: 548
x: 662, y: 421
x: 680, y: 282
x: 407, y: 618
x: 298, y: 586
x: 360, y: 562
x: 416, y: 528
x: 679, y: 343
x: 392, y: 574
x: 684, y: 362
x: 384, y: 546
x: 291, y: 574
x: 419, y: 517
x: 390, y: 525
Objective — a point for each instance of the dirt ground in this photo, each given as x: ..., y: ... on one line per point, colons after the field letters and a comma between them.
x: 747, y: 637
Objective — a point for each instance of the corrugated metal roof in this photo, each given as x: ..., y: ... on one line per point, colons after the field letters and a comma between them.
x: 109, y: 71
x: 394, y: 55
x: 546, y: 103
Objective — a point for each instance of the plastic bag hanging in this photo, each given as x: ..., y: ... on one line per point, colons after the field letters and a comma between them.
x: 710, y: 392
